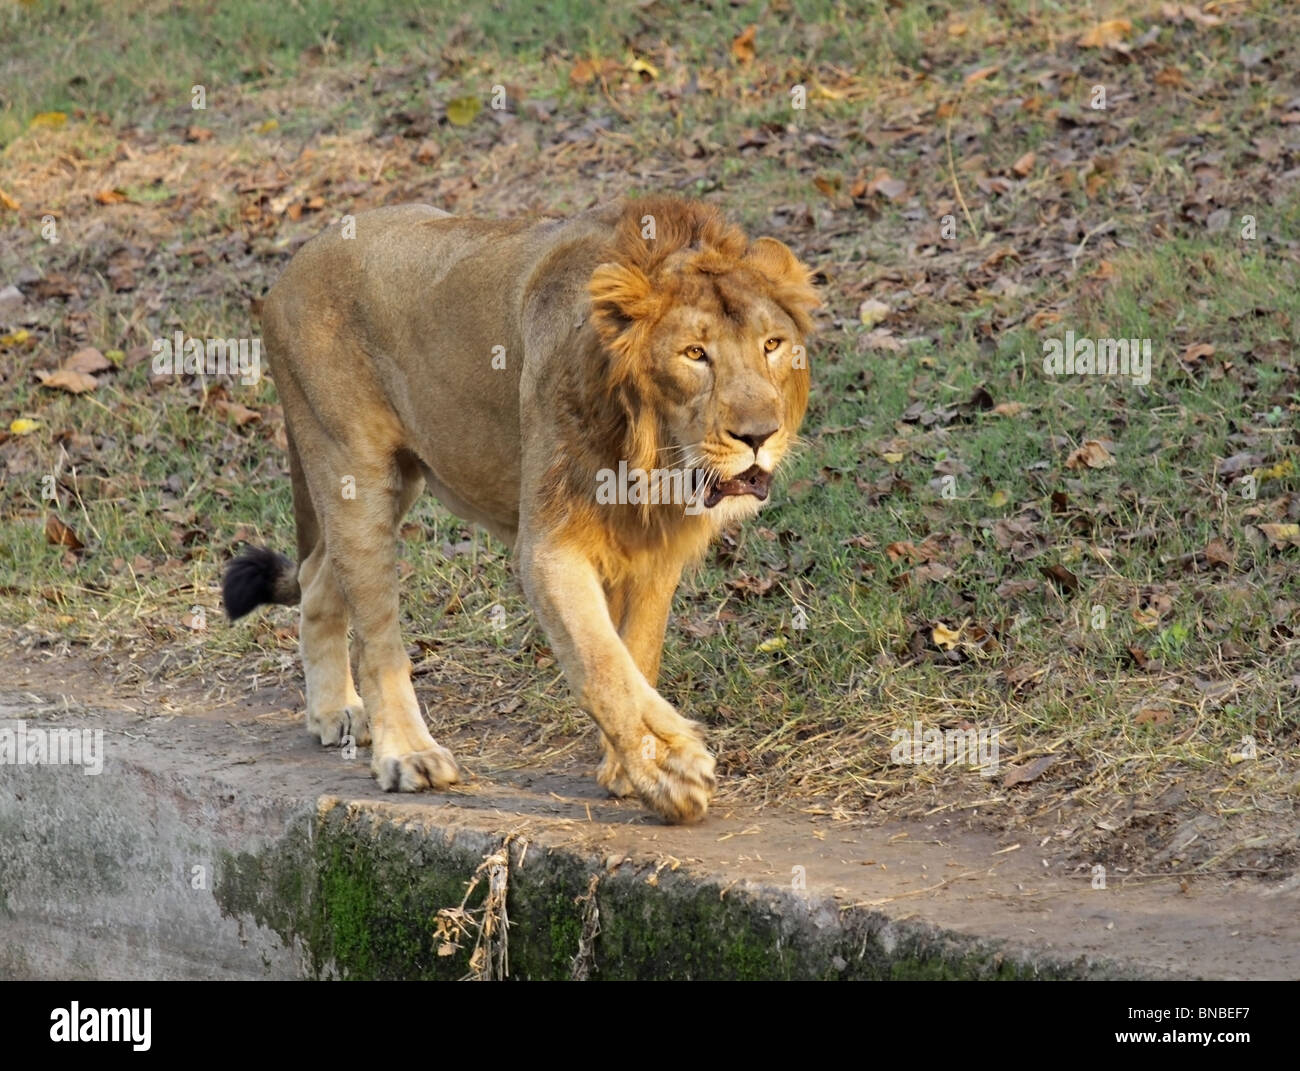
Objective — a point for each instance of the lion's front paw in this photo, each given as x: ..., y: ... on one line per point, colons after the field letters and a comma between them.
x: 610, y: 775
x: 335, y: 727
x: 674, y: 776
x: 415, y: 771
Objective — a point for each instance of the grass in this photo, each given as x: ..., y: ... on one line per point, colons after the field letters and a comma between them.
x: 935, y: 483
x: 136, y: 61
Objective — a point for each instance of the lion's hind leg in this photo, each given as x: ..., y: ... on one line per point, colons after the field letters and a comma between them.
x: 361, y: 538
x: 335, y: 712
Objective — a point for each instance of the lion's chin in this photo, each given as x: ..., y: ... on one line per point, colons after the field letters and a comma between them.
x: 732, y: 511
x: 729, y: 510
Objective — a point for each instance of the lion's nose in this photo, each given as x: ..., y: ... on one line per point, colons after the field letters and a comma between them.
x: 753, y: 439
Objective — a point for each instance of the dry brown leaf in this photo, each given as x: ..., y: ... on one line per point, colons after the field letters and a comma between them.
x: 1062, y: 576
x: 240, y: 414
x: 931, y: 571
x: 87, y: 359
x: 982, y: 73
x: 1196, y: 351
x: 1008, y: 408
x: 67, y: 379
x: 1191, y: 13
x: 1217, y: 552
x: 121, y: 275
x: 1145, y: 617
x: 1281, y: 535
x: 1025, y: 164
x: 110, y: 197
x: 59, y: 534
x: 886, y: 185
x: 8, y: 202
x: 582, y: 73
x: 1092, y: 454
x: 882, y: 338
x: 1019, y: 676
x: 1022, y: 775
x: 1106, y: 34
x: 828, y: 185
x: 752, y: 585
x: 1014, y: 589
x: 904, y: 549
x: 742, y: 48
x: 1154, y: 716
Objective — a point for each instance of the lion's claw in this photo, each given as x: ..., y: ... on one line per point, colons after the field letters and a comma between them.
x: 679, y: 781
x: 433, y: 768
x: 335, y: 726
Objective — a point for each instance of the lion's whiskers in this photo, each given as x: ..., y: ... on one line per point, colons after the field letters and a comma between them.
x: 680, y: 454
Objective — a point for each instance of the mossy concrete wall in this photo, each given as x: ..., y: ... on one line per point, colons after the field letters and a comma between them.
x: 170, y: 864
x: 359, y: 893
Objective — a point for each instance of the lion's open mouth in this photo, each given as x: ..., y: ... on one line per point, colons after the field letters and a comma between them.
x: 753, y: 481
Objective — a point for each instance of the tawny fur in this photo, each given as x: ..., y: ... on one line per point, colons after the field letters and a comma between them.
x: 382, y: 347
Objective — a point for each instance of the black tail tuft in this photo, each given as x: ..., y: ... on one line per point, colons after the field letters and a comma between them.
x: 258, y: 576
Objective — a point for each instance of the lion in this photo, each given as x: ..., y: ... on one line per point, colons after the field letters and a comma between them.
x: 511, y: 367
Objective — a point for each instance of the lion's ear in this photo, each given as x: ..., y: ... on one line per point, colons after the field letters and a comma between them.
x: 621, y: 295
x: 790, y: 279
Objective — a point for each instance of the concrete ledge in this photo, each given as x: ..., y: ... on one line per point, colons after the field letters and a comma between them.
x: 203, y: 851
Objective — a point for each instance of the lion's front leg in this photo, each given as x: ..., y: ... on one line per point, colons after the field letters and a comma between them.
x: 610, y: 774
x: 659, y: 752
x: 640, y: 608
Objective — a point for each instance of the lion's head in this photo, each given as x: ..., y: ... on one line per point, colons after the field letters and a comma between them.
x: 705, y: 335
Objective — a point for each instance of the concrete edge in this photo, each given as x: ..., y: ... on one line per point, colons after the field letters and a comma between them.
x: 157, y: 872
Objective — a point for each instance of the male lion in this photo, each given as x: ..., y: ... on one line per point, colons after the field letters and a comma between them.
x: 511, y: 366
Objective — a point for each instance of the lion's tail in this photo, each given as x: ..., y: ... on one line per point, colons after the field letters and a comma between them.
x: 258, y: 576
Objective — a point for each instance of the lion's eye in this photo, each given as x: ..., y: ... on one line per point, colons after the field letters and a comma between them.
x: 696, y: 353
x: 771, y: 345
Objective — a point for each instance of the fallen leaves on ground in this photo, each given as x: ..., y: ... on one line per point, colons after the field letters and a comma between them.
x: 67, y: 379
x: 1031, y: 771
x: 88, y: 360
x: 742, y: 48
x: 59, y: 534
x: 1279, y: 535
x: 1106, y: 34
x: 1092, y: 454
